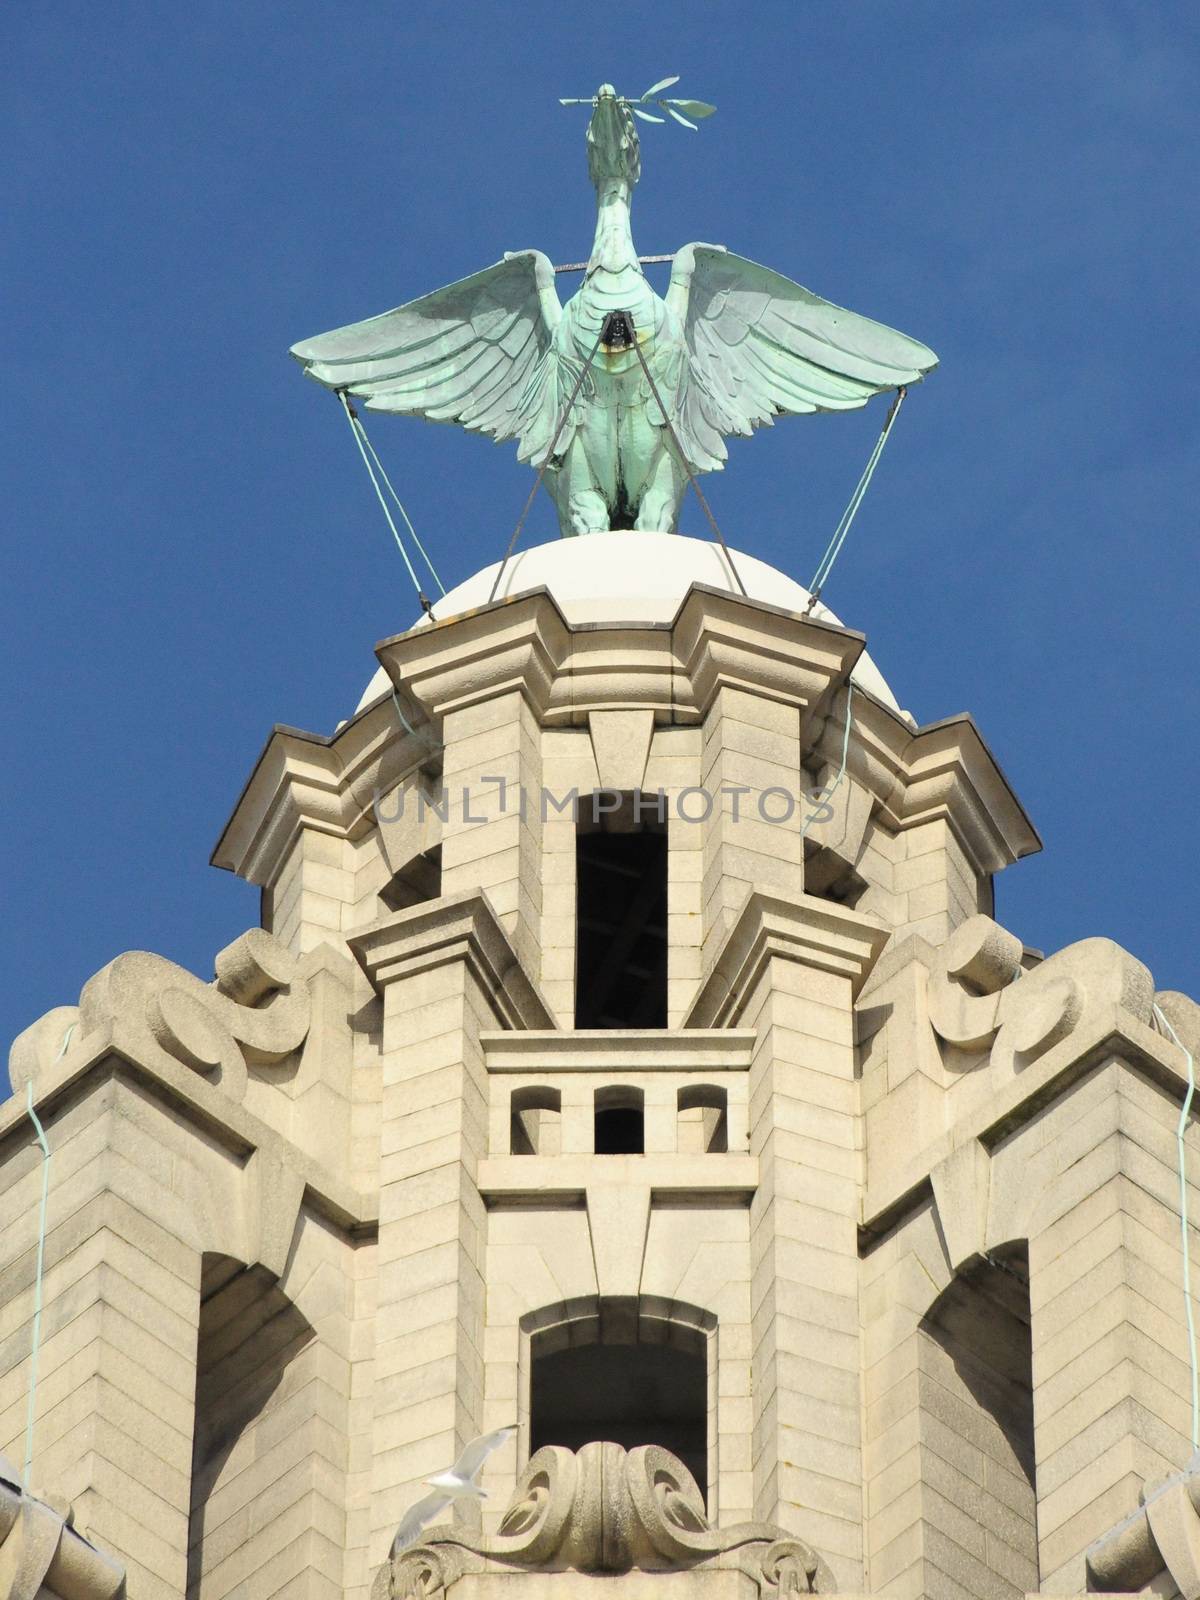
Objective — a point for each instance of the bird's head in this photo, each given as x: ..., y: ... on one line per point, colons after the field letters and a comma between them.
x: 614, y: 152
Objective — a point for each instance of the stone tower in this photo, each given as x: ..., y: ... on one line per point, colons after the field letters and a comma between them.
x: 627, y: 1052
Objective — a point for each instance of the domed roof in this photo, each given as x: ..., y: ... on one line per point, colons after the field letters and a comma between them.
x: 633, y: 578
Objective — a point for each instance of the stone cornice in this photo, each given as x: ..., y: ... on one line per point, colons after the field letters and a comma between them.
x: 815, y: 933
x: 724, y: 641
x: 306, y: 781
x: 951, y: 773
x: 570, y: 1177
x: 625, y: 1049
x: 1112, y: 1033
x: 113, y: 1049
x: 520, y: 643
x: 462, y: 927
x: 942, y: 771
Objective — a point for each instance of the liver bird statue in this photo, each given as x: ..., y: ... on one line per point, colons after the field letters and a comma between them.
x: 620, y: 392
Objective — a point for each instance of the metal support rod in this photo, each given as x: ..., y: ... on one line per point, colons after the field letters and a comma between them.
x: 670, y: 426
x: 546, y: 460
x: 833, y: 549
x: 582, y: 266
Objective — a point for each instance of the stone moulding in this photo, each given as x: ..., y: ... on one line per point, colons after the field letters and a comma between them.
x: 458, y: 927
x: 605, y: 1511
x: 616, y: 1049
x: 1023, y: 1034
x: 566, y: 673
x: 41, y: 1555
x: 819, y: 933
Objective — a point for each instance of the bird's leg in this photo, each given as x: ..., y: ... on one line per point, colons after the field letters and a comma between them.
x: 582, y: 507
x: 662, y: 489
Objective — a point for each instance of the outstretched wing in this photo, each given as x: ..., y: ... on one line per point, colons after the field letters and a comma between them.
x: 477, y: 1452
x: 417, y: 1518
x: 476, y: 352
x: 760, y: 346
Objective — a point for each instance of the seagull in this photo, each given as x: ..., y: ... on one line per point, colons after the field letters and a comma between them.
x: 456, y: 1483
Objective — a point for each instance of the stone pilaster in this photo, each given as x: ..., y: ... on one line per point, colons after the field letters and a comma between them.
x: 791, y: 969
x: 1111, y: 1377
x: 446, y: 973
x: 121, y: 1298
x: 751, y: 780
x: 492, y: 832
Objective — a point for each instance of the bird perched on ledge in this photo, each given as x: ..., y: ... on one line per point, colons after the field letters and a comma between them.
x: 619, y: 392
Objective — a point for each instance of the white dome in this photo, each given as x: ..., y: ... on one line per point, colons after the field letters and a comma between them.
x: 632, y: 578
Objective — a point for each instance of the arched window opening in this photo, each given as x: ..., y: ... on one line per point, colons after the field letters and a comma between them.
x: 620, y: 1126
x: 251, y: 1337
x: 630, y: 1394
x: 976, y: 1346
x: 535, y: 1122
x: 621, y: 917
x: 703, y: 1125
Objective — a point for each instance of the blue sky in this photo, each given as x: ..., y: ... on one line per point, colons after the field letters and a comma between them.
x: 193, y: 553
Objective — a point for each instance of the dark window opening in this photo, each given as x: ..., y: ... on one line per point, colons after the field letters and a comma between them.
x: 703, y: 1120
x: 620, y: 1127
x: 621, y: 926
x: 630, y: 1394
x: 535, y: 1120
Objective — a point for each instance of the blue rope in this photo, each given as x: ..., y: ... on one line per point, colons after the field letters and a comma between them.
x: 833, y: 549
x: 1180, y: 1130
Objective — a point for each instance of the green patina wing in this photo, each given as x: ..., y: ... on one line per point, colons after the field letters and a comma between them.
x: 477, y: 352
x: 760, y: 346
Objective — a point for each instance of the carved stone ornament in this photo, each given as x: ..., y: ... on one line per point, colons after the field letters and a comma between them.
x: 605, y: 1510
x: 41, y: 1555
x: 255, y: 1014
x: 1162, y: 1535
x: 981, y: 997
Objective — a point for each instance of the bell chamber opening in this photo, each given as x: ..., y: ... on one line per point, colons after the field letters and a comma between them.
x: 620, y: 919
x: 631, y: 1394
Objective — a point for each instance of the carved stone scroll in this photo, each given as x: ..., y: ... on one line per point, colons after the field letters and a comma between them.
x: 41, y: 1555
x: 256, y: 1013
x: 605, y: 1510
x: 980, y: 995
x: 1162, y: 1535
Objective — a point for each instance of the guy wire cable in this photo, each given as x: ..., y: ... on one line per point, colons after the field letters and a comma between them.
x: 361, y: 426
x: 352, y: 419
x: 546, y: 459
x: 704, y: 505
x: 1184, y: 1227
x: 39, y: 1271
x: 833, y: 549
x: 829, y: 793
